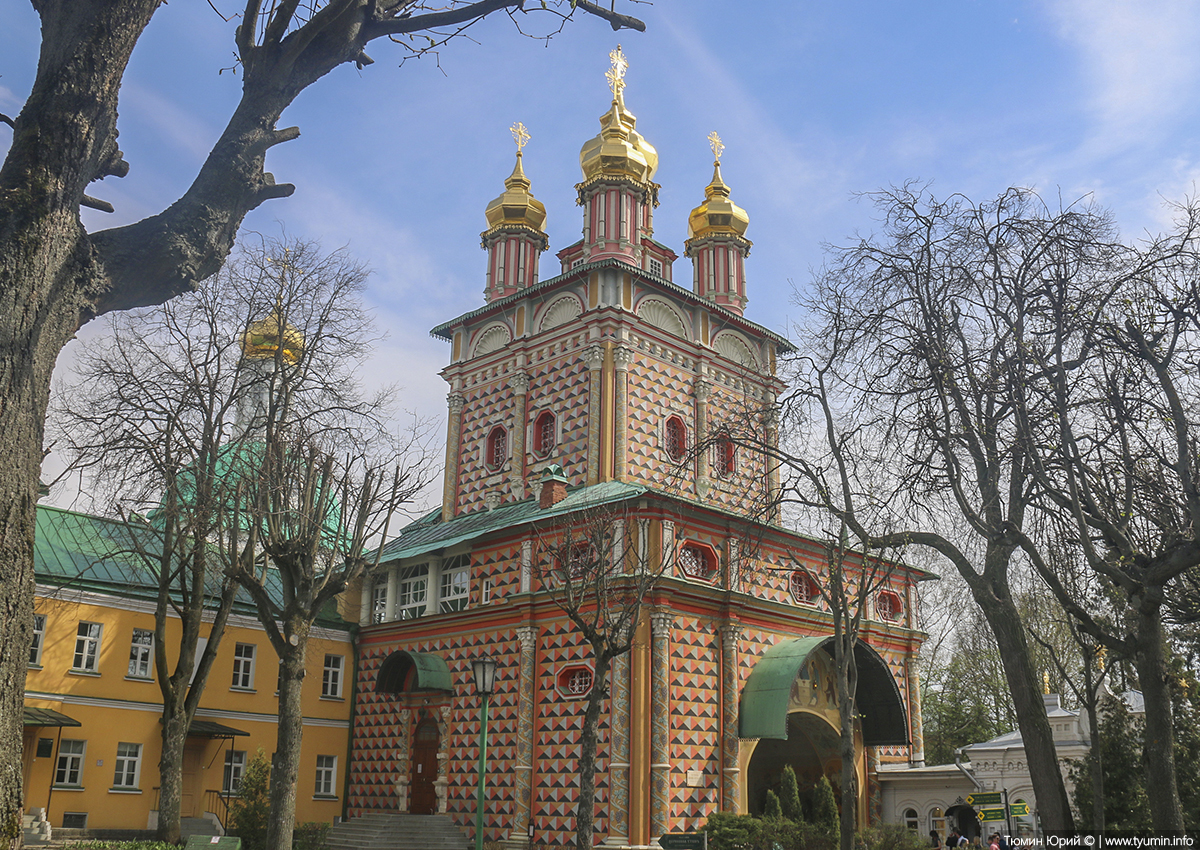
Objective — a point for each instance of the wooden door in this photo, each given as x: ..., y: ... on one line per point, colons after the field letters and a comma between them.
x: 423, y: 799
x: 192, y: 795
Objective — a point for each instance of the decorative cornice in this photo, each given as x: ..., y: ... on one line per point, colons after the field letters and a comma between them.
x: 455, y: 401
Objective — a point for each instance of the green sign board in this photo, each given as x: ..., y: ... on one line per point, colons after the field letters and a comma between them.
x: 215, y: 842
x: 993, y: 799
x: 1019, y: 810
x: 683, y: 841
x: 991, y: 814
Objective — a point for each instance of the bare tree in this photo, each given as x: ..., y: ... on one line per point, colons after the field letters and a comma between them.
x: 55, y: 276
x: 591, y: 567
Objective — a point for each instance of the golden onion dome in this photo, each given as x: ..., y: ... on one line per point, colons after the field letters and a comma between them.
x: 619, y: 151
x: 516, y: 206
x: 717, y: 214
x: 266, y: 336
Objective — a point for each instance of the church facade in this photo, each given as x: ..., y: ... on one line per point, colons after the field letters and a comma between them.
x: 605, y: 390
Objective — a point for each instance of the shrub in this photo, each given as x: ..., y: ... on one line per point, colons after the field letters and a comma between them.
x: 789, y: 796
x: 728, y: 831
x: 893, y: 836
x: 773, y: 810
x: 825, y: 810
x: 310, y: 836
x: 250, y: 811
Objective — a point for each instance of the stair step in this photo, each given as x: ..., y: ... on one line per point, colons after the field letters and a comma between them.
x: 397, y: 831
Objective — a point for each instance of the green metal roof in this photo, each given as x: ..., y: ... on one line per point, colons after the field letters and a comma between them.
x: 764, y: 705
x: 432, y: 673
x: 428, y: 534
x: 47, y: 717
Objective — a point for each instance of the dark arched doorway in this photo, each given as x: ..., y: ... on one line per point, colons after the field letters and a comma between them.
x: 426, y: 739
x: 811, y: 748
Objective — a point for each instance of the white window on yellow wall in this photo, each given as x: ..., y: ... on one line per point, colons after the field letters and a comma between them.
x: 140, y: 650
x: 128, y: 766
x: 87, y: 647
x: 39, y: 639
x: 243, y: 666
x: 331, y: 677
x: 235, y: 766
x: 326, y: 776
x: 69, y: 769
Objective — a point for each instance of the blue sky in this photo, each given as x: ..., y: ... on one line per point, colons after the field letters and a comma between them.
x: 816, y: 101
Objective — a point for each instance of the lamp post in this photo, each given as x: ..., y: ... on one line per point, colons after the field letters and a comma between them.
x: 484, y: 670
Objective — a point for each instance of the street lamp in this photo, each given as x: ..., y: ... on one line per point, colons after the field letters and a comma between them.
x: 484, y: 670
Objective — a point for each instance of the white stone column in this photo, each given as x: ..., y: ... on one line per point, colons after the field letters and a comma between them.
x: 519, y: 381
x: 622, y: 357
x: 594, y: 354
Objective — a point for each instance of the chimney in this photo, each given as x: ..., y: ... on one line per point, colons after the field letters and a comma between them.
x: 554, y: 486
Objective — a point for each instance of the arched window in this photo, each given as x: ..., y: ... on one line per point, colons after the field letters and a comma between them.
x: 497, y: 447
x: 725, y: 456
x: 675, y: 437
x: 911, y: 820
x: 544, y: 436
x: 804, y: 588
x: 697, y: 561
x: 889, y: 606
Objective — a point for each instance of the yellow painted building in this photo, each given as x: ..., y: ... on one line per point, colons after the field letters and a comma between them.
x: 93, y: 708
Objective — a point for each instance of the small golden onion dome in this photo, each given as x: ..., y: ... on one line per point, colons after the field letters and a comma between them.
x: 619, y: 151
x: 264, y: 337
x: 516, y: 206
x: 717, y: 214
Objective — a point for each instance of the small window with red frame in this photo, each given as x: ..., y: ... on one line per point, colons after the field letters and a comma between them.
x: 544, y: 436
x: 725, y: 456
x: 698, y: 561
x: 675, y: 438
x: 574, y: 681
x: 888, y: 606
x: 497, y: 447
x: 804, y: 588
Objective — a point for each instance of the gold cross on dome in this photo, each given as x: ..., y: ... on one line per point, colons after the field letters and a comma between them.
x: 520, y: 135
x: 714, y: 142
x: 616, y: 74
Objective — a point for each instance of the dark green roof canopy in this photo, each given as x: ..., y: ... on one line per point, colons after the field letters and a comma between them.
x: 431, y: 673
x: 212, y: 729
x: 764, y: 705
x: 47, y: 717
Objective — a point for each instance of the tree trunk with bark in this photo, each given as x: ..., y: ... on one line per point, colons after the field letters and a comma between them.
x: 585, y: 814
x: 285, y: 766
x: 1158, y: 747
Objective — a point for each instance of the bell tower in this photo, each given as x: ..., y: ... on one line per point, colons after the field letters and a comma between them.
x: 514, y: 239
x: 717, y: 243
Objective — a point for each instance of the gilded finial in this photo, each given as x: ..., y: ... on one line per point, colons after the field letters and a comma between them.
x: 616, y: 74
x: 520, y: 135
x: 1045, y: 681
x: 1100, y: 653
x: 718, y: 147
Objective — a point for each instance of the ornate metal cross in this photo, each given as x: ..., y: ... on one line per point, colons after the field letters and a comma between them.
x: 714, y: 142
x: 520, y: 135
x: 616, y: 74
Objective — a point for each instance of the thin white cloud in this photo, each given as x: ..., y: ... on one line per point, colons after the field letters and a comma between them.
x: 1140, y: 63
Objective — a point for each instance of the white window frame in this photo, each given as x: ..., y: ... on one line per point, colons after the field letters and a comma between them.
x: 235, y: 768
x: 454, y: 585
x: 141, y: 655
x: 655, y: 266
x: 412, y: 592
x: 379, y: 611
x: 485, y: 590
x: 69, y: 763
x: 87, y: 647
x: 127, y: 772
x: 38, y: 641
x: 331, y: 676
x: 326, y: 777
x: 243, y: 666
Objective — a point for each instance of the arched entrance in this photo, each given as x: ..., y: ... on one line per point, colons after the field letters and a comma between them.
x: 426, y: 739
x: 811, y: 748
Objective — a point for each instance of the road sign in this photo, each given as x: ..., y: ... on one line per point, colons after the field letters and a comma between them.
x: 683, y: 841
x: 1019, y: 810
x: 991, y: 814
x: 995, y: 798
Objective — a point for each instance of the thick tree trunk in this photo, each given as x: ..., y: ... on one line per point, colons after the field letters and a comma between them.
x: 847, y: 688
x: 585, y: 812
x: 1097, y: 764
x: 1158, y: 752
x: 285, y: 768
x: 170, y: 769
x: 1048, y: 786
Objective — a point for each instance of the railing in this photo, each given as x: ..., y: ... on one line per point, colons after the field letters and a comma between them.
x: 217, y: 804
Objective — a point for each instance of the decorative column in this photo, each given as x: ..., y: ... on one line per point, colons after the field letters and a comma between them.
x: 622, y: 357
x: 915, y: 723
x: 442, y: 783
x: 403, y: 769
x: 393, y: 587
x: 454, y: 402
x: 519, y: 381
x: 526, y: 566
x: 731, y: 634
x: 661, y: 623
x: 771, y: 427
x: 618, y: 764
x: 701, y: 390
x: 594, y: 355
x: 523, y: 793
x: 364, y: 608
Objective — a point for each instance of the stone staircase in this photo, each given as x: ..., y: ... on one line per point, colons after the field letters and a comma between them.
x: 34, y: 827
x: 394, y: 831
x: 197, y: 826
